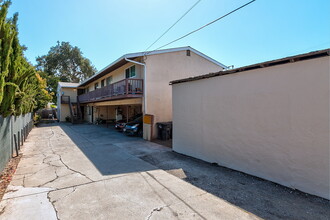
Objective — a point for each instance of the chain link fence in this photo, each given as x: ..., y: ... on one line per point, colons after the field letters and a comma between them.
x: 13, y: 132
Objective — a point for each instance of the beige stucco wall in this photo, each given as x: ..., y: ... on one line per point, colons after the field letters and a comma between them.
x: 117, y: 75
x: 272, y: 123
x: 163, y: 68
x: 63, y: 110
x: 72, y: 92
x: 87, y: 115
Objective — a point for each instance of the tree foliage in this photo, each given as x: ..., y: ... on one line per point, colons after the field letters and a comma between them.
x: 22, y: 90
x: 64, y: 63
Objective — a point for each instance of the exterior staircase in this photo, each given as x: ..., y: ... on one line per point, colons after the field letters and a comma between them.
x: 76, y: 117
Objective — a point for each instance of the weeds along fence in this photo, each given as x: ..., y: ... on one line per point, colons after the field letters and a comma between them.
x: 13, y: 132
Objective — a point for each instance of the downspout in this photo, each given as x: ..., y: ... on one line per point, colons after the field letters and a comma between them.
x: 144, y: 82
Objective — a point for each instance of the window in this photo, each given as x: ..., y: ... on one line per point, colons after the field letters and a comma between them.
x: 102, y: 83
x: 109, y: 80
x: 87, y: 89
x: 130, y: 72
x: 96, y: 85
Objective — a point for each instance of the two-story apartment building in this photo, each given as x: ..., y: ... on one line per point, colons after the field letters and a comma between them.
x: 66, y: 94
x: 139, y: 83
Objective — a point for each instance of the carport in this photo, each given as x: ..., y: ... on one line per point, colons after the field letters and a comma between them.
x: 112, y: 111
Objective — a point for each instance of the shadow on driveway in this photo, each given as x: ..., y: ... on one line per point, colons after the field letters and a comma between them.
x: 104, y: 146
x: 99, y: 146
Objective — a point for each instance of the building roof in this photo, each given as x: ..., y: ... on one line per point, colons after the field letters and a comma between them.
x: 291, y: 59
x: 68, y: 84
x: 121, y: 61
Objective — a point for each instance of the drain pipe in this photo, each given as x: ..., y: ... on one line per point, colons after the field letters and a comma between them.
x: 144, y: 82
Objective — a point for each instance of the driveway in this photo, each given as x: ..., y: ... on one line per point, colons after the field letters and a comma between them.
x: 92, y: 172
x: 89, y: 172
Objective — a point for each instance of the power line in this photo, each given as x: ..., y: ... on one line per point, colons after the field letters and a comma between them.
x: 173, y: 24
x: 203, y: 26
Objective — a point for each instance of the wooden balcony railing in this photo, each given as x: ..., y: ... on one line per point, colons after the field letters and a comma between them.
x: 65, y: 99
x: 121, y: 89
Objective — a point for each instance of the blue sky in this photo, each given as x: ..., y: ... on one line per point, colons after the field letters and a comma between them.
x: 106, y: 29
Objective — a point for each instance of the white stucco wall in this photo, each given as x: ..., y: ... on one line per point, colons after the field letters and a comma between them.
x: 63, y: 110
x: 163, y: 68
x: 272, y: 123
x: 88, y: 113
x: 72, y: 92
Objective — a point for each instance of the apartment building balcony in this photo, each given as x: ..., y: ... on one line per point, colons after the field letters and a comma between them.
x: 127, y: 88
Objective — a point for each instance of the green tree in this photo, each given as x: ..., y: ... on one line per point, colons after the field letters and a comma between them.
x: 6, y: 39
x: 22, y: 90
x: 64, y: 63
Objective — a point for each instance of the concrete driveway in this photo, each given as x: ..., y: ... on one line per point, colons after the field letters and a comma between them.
x: 91, y: 172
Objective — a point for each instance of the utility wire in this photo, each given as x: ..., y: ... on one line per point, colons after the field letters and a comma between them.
x: 203, y: 26
x: 173, y: 24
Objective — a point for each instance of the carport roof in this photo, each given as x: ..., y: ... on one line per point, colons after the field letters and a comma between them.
x: 291, y: 59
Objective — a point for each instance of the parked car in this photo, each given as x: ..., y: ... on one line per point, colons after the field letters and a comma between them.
x: 120, y: 124
x: 134, y: 127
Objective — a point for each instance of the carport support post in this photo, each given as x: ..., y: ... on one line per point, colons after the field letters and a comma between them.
x: 126, y: 113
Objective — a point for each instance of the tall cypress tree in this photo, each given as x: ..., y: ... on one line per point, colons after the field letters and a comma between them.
x: 6, y: 38
x: 19, y: 80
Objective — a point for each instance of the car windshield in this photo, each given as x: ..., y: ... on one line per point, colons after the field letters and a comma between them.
x: 137, y: 120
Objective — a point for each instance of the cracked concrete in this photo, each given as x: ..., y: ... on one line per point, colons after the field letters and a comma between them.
x: 155, y: 210
x: 90, y: 172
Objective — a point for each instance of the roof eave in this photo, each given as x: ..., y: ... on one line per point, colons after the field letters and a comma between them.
x: 148, y: 53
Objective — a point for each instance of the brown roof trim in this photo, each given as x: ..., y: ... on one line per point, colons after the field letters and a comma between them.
x: 291, y: 59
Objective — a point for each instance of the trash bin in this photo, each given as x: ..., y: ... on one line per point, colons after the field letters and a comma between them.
x: 164, y: 130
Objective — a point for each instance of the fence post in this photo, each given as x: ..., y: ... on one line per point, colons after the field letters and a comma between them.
x: 11, y: 136
x: 16, y: 145
x: 19, y: 140
x: 22, y: 136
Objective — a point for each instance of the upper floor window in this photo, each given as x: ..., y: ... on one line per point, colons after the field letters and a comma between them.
x: 130, y: 72
x: 96, y: 85
x: 109, y: 80
x: 102, y: 83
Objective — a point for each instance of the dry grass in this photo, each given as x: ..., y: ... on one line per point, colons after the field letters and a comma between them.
x: 7, y: 174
